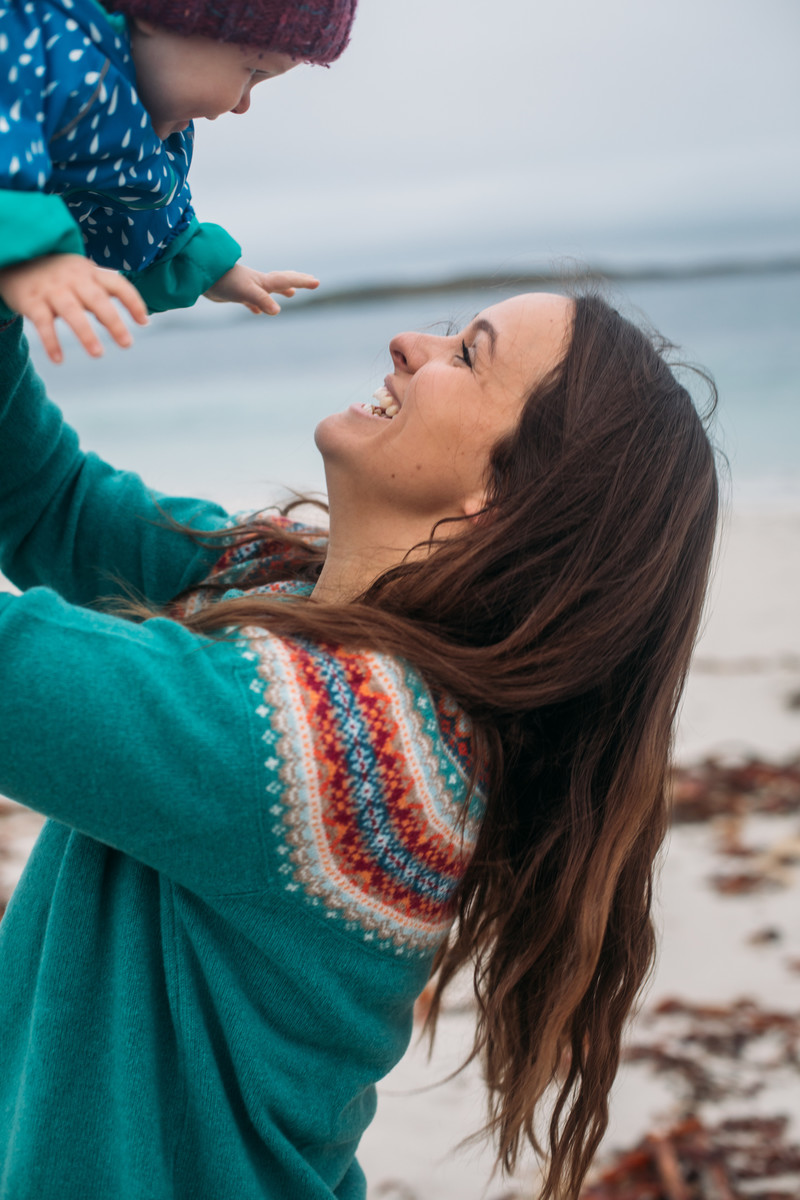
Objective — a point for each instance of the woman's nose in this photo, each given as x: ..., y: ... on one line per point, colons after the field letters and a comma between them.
x: 410, y: 350
x: 398, y: 353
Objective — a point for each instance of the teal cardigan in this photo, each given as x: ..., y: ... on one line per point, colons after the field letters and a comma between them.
x: 214, y: 950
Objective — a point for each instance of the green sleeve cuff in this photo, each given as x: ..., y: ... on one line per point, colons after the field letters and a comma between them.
x: 35, y: 223
x: 32, y: 224
x: 192, y: 263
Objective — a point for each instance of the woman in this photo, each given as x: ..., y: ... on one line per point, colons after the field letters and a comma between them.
x: 307, y: 759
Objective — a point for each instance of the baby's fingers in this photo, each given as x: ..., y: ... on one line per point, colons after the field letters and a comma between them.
x: 43, y: 320
x: 97, y: 301
x: 257, y: 300
x: 72, y: 312
x: 118, y: 286
x: 285, y: 282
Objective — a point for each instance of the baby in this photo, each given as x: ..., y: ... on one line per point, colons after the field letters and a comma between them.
x: 96, y: 111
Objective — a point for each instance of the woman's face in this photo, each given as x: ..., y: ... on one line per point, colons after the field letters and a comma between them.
x: 456, y: 397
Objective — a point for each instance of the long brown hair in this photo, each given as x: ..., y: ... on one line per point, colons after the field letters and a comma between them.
x: 562, y: 620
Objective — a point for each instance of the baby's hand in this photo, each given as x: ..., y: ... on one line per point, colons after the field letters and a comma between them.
x: 70, y: 286
x: 252, y: 288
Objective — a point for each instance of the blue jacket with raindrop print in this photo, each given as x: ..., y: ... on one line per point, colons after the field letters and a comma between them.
x: 81, y: 167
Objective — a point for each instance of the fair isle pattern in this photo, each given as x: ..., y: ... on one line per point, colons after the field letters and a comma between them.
x: 366, y: 774
x: 264, y: 564
x: 367, y: 781
x: 262, y: 560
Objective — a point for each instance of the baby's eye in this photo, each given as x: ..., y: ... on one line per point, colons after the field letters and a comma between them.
x: 465, y: 355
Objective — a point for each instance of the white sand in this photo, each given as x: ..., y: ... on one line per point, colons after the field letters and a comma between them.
x: 747, y: 665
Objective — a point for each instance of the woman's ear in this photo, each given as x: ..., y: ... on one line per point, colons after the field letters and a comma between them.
x: 475, y: 506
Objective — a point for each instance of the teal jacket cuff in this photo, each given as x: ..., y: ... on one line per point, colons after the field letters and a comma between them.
x: 33, y: 224
x: 194, y: 261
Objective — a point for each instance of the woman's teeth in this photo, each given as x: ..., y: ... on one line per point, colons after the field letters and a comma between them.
x: 386, y: 405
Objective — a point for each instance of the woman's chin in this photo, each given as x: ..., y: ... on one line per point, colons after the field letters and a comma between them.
x: 340, y: 429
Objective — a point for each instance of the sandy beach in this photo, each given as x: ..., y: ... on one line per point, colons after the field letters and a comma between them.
x: 719, y: 1028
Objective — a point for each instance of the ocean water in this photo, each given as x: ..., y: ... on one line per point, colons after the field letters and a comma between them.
x: 219, y: 403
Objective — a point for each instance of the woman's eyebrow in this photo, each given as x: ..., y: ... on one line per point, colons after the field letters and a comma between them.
x: 484, y: 326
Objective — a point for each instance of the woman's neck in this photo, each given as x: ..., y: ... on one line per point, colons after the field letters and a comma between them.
x: 361, y: 549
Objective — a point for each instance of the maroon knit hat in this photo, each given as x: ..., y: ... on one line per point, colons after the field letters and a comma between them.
x: 314, y: 31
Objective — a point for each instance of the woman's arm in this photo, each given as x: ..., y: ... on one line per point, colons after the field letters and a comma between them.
x: 242, y: 764
x: 139, y: 736
x: 71, y: 522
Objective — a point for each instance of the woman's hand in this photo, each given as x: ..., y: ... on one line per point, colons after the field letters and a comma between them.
x: 69, y: 286
x: 243, y: 285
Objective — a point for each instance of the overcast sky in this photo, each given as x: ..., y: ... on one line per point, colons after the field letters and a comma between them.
x: 468, y: 118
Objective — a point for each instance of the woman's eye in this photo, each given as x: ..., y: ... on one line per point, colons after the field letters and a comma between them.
x: 465, y: 355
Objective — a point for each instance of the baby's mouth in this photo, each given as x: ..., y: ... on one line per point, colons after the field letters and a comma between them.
x: 385, y: 403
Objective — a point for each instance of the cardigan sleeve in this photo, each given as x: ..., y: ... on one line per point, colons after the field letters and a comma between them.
x: 71, y: 522
x: 137, y: 735
x: 234, y: 765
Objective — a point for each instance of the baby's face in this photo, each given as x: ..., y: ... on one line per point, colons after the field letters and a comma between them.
x: 181, y: 78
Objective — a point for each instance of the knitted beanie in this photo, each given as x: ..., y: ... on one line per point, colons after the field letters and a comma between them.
x: 314, y: 31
